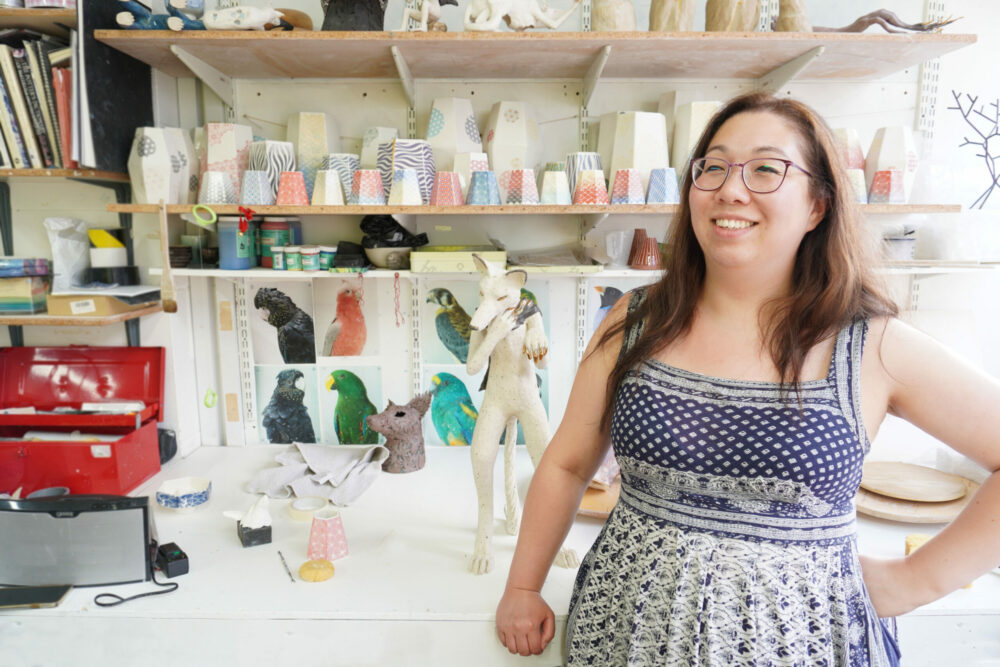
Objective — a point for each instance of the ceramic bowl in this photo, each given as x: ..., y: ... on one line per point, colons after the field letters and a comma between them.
x: 184, y: 493
x: 210, y: 255
x: 389, y: 258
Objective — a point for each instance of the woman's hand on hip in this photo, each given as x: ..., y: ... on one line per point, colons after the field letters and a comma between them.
x: 525, y: 622
x: 890, y: 586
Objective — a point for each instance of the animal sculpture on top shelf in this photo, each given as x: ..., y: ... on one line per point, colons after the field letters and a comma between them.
x: 519, y: 15
x: 138, y: 17
x: 612, y: 16
x: 792, y: 17
x: 428, y: 16
x: 732, y: 15
x: 244, y: 18
x: 508, y: 334
x: 671, y: 15
x: 353, y: 14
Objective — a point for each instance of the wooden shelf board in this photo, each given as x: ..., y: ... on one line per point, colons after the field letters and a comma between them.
x: 47, y: 20
x: 64, y: 173
x: 233, y: 209
x: 621, y: 209
x: 531, y: 55
x: 43, y: 319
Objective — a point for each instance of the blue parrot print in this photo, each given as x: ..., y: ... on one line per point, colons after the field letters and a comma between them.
x: 452, y: 412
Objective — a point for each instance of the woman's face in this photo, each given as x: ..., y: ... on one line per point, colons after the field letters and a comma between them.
x: 740, y: 229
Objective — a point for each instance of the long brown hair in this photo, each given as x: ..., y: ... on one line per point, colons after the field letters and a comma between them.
x: 833, y: 277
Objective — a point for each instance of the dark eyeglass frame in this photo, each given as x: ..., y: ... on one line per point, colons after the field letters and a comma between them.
x: 743, y: 173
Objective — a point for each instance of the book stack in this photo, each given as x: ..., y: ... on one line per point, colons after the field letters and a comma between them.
x: 35, y: 101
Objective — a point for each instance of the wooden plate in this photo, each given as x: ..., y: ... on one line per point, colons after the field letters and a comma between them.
x: 598, y: 503
x: 906, y: 481
x: 909, y: 511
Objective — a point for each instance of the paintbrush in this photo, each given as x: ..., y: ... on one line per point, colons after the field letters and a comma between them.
x: 166, y: 281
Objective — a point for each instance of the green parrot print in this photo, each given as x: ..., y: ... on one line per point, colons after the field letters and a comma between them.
x: 352, y: 407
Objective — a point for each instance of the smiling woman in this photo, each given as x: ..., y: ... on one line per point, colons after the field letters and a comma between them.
x: 740, y: 394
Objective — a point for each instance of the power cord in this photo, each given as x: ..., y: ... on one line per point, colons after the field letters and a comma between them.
x: 112, y: 599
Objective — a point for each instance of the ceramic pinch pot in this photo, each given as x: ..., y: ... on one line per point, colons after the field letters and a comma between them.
x: 256, y: 189
x: 216, y: 188
x: 892, y: 149
x: 184, y: 494
x: 638, y: 239
x: 580, y: 161
x: 647, y: 256
x: 856, y: 177
x: 465, y: 164
x: 555, y: 188
x: 327, y: 540
x: 413, y: 154
x: 272, y: 157
x: 849, y: 146
x: 227, y: 149
x: 292, y: 189
x: 447, y: 189
x: 452, y: 129
x: 633, y: 139
x: 345, y: 164
x: 405, y: 189
x: 315, y: 135
x: 590, y: 187
x: 366, y: 189
x: 149, y: 166
x: 663, y: 187
x: 627, y: 188
x: 370, y: 142
x: 328, y: 190
x: 521, y: 188
x: 887, y: 188
x: 483, y: 189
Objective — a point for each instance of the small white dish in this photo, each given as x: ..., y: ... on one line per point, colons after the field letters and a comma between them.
x: 184, y: 494
x: 389, y: 258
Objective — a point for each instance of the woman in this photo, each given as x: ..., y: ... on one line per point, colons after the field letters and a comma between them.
x: 741, y: 393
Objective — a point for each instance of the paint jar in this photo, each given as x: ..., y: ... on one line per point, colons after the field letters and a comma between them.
x: 234, y: 247
x: 326, y: 255
x: 294, y: 227
x: 310, y: 257
x: 293, y: 258
x: 273, y: 232
x: 278, y: 258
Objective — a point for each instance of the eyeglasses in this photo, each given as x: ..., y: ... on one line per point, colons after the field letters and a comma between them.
x: 761, y: 175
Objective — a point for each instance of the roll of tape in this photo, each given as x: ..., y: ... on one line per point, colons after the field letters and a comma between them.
x: 108, y: 257
x: 302, y: 509
x: 120, y: 275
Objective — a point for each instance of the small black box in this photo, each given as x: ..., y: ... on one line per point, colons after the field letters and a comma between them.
x: 171, y: 560
x: 251, y: 537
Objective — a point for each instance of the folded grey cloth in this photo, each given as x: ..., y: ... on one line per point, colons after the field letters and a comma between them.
x: 338, y: 473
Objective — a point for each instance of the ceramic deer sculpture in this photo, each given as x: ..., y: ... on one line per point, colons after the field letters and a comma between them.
x: 507, y: 332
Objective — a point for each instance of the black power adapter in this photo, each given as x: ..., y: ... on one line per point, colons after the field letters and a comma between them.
x: 171, y: 560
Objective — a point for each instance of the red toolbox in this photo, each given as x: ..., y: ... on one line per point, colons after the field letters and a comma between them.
x: 46, y: 378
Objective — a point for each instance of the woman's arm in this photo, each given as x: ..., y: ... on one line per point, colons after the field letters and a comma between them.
x: 525, y: 623
x: 960, y: 405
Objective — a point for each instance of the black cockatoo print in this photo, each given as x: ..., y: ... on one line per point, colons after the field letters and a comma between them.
x: 285, y: 418
x: 296, y: 339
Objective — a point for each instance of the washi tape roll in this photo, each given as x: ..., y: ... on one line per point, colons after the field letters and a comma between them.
x: 302, y: 509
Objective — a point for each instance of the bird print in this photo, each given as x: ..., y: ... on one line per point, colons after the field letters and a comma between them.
x: 527, y: 294
x: 286, y: 419
x: 452, y: 412
x: 346, y: 335
x: 352, y: 408
x: 609, y: 296
x: 452, y: 323
x: 296, y: 339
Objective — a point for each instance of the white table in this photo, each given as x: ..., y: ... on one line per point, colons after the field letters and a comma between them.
x: 402, y: 597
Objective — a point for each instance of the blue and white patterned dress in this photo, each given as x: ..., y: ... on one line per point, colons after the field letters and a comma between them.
x: 733, y: 542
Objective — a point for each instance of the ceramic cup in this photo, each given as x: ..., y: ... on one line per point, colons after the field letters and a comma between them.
x: 520, y: 186
x: 366, y: 188
x: 578, y: 162
x: 466, y: 164
x: 663, y: 186
x: 256, y: 189
x: 618, y: 244
x: 627, y: 188
x: 328, y: 190
x: 647, y: 256
x: 345, y: 164
x: 327, y: 540
x: 638, y: 238
x: 405, y: 189
x: 590, y: 187
x: 555, y: 188
x: 447, y: 190
x: 216, y: 188
x: 483, y: 189
x: 292, y: 189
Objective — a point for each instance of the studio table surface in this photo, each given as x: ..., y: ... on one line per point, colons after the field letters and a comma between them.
x: 403, y: 596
